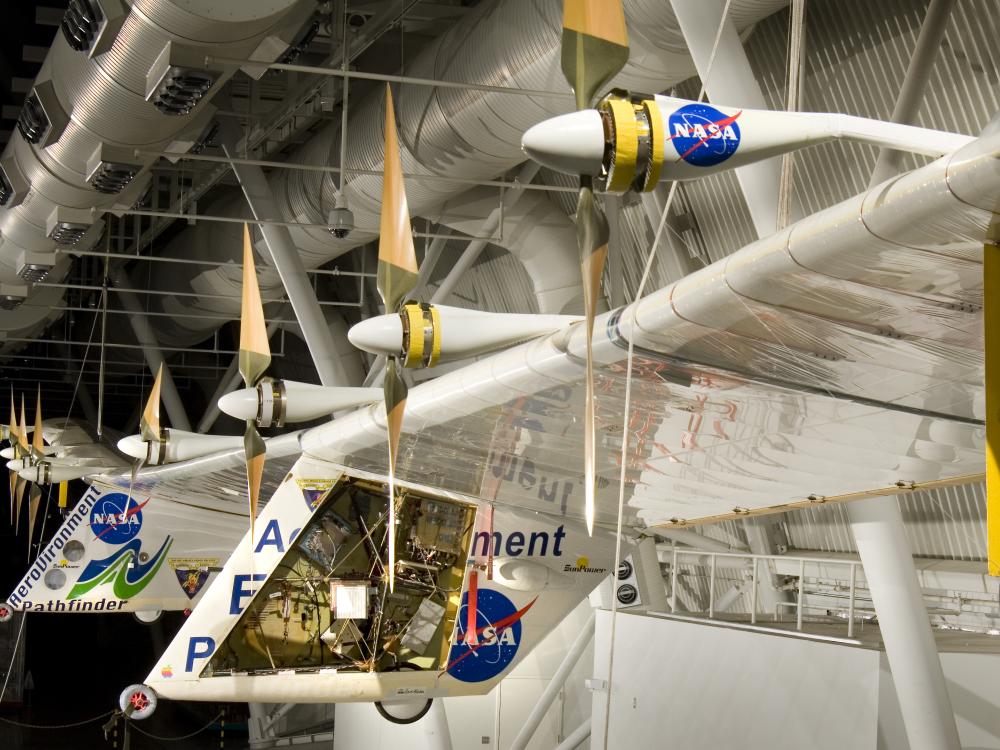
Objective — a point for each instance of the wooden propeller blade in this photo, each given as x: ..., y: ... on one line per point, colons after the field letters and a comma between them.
x: 12, y: 425
x: 149, y: 423
x: 253, y: 446
x: 395, y: 405
x: 255, y: 352
x: 592, y: 236
x: 22, y: 442
x: 594, y: 45
x: 12, y: 432
x: 594, y: 50
x: 255, y: 357
x: 34, y: 500
x: 397, y: 260
x: 37, y: 441
x: 22, y: 433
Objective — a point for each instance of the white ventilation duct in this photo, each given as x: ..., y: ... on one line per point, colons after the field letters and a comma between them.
x: 121, y: 76
x: 463, y: 133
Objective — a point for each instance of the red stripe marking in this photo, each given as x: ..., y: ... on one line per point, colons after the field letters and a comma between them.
x: 472, y: 608
x: 499, y: 627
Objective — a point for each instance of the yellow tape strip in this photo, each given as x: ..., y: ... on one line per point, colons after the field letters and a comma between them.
x: 63, y: 494
x: 991, y: 342
x: 415, y: 349
x: 658, y: 144
x: 626, y: 145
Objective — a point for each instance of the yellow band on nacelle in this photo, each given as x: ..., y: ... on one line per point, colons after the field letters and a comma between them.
x: 626, y: 145
x: 657, y: 144
x: 421, y: 335
x: 414, y: 354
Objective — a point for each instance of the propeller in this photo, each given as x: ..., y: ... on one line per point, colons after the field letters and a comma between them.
x: 594, y: 50
x: 156, y: 445
x: 15, y: 445
x: 149, y: 446
x: 23, y: 450
x: 266, y: 402
x: 255, y: 356
x: 397, y: 276
x: 149, y: 423
x: 37, y: 453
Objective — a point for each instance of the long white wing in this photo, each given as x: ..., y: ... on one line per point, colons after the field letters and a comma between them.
x: 851, y: 339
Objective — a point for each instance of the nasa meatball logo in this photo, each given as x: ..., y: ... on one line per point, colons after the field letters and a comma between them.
x: 482, y: 655
x: 116, y: 518
x: 702, y: 135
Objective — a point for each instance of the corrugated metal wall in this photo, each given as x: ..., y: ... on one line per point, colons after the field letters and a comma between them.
x: 945, y: 523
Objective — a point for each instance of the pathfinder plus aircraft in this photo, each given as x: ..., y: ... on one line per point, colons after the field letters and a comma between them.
x: 421, y: 547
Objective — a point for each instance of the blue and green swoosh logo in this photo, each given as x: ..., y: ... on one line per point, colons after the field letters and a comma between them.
x: 128, y: 581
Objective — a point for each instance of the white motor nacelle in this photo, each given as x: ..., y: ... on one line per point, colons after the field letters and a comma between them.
x: 176, y: 445
x: 45, y: 472
x: 421, y: 335
x: 274, y: 403
x: 633, y: 142
x: 8, y: 452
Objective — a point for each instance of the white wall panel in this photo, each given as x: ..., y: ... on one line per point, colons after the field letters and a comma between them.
x: 695, y: 686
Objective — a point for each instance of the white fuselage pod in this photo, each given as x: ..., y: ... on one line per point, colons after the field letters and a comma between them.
x: 464, y: 333
x: 544, y: 565
x: 303, y: 402
x: 48, y: 472
x: 698, y: 139
x: 8, y: 452
x: 181, y: 445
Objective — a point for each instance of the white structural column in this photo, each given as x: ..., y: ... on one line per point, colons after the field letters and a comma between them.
x: 756, y: 530
x: 288, y: 264
x: 906, y: 631
x: 86, y: 402
x: 150, y: 349
x: 676, y: 261
x: 436, y: 728
x: 555, y: 685
x: 911, y: 94
x: 574, y: 738
x: 694, y: 539
x: 490, y: 225
x: 731, y: 82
